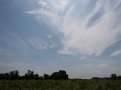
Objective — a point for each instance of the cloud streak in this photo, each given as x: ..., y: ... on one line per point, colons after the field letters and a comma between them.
x: 116, y: 53
x: 49, y: 10
x: 88, y: 27
x: 40, y: 44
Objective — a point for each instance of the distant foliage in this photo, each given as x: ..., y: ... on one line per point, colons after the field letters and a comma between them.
x: 59, y: 75
x: 46, y: 76
x: 14, y: 75
x: 112, y: 77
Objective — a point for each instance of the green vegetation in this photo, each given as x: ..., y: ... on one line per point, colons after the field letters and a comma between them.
x: 56, y: 81
x: 60, y: 84
x: 14, y: 75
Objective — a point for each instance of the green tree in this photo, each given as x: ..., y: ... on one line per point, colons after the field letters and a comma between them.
x: 14, y: 75
x: 29, y: 75
x: 59, y: 75
x: 113, y: 76
x: 36, y: 76
x: 46, y: 76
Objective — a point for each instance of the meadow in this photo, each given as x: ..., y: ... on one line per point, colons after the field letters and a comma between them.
x: 102, y: 84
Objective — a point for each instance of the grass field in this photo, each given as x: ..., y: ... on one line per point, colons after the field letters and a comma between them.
x: 60, y: 85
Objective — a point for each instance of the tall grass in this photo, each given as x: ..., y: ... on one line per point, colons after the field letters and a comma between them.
x: 60, y: 85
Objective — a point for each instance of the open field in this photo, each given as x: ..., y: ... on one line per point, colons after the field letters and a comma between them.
x: 60, y: 85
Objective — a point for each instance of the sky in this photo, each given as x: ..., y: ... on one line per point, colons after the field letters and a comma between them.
x: 82, y: 37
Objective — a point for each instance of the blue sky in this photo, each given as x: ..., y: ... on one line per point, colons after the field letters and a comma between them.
x: 82, y: 37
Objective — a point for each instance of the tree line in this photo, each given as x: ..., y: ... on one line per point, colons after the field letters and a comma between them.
x: 112, y: 77
x: 61, y: 74
x: 14, y: 75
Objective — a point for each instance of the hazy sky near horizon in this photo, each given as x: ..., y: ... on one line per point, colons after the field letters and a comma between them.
x: 82, y: 37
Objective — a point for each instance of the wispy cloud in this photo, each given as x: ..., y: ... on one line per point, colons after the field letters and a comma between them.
x: 49, y: 36
x: 81, y: 38
x: 103, y: 66
x: 89, y: 27
x: 116, y: 53
x: 40, y: 44
x: 49, y: 11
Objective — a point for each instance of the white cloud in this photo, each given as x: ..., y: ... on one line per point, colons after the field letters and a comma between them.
x: 49, y: 11
x: 103, y: 66
x: 40, y: 44
x: 65, y: 52
x: 87, y: 29
x: 57, y: 4
x: 88, y: 41
x: 43, y: 3
x: 53, y: 45
x: 45, y: 16
x: 107, y: 68
x: 50, y: 36
x: 116, y: 53
x: 79, y: 38
x: 83, y: 57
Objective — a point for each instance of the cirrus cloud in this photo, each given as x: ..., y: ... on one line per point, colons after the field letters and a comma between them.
x: 88, y: 27
x: 116, y: 53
